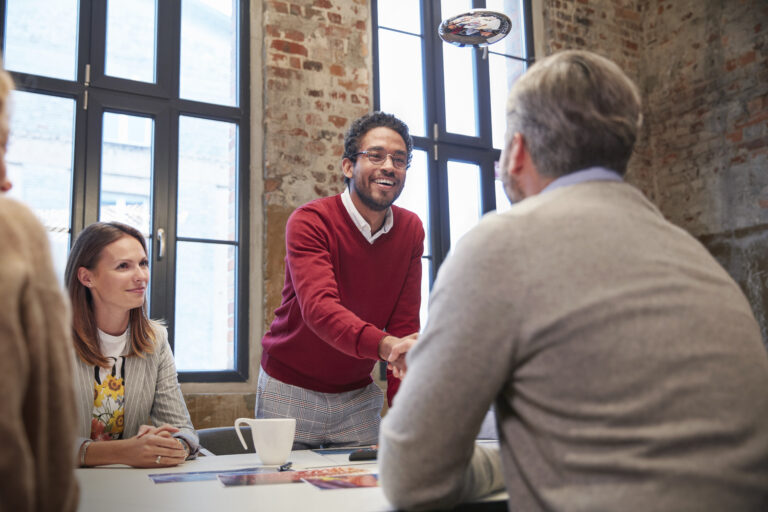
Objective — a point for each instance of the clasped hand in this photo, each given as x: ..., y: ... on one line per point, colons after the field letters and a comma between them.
x: 394, y: 349
x: 156, y: 447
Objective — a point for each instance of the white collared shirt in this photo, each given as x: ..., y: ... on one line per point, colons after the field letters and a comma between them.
x: 583, y: 175
x: 361, y: 223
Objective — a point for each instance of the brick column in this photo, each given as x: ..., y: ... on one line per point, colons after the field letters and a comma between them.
x: 317, y: 78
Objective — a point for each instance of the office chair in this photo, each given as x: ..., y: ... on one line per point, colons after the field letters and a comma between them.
x: 224, y: 441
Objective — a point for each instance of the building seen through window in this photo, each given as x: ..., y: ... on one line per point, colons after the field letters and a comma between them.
x: 117, y: 120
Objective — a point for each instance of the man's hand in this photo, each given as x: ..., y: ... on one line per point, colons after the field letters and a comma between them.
x: 393, y: 350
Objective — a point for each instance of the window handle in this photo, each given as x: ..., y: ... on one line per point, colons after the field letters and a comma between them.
x: 160, y: 243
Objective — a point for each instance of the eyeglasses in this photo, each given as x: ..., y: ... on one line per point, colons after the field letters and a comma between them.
x: 379, y: 157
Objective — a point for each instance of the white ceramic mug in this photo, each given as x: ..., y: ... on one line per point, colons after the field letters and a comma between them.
x: 272, y: 438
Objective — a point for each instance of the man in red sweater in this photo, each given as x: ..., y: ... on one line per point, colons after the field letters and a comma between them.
x: 351, y: 296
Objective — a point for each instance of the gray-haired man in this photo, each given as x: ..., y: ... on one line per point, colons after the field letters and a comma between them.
x: 626, y: 367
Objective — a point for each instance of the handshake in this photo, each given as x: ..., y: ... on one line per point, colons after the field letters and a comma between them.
x: 393, y: 350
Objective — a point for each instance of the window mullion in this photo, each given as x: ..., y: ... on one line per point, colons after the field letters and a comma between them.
x: 163, y: 203
x: 125, y: 167
x: 433, y: 57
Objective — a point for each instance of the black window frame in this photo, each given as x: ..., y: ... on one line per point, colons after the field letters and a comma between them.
x: 95, y: 93
x: 440, y: 145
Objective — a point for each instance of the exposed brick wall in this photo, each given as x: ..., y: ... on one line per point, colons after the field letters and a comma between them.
x: 317, y: 79
x: 709, y: 129
x: 708, y: 86
x: 702, y: 66
x: 614, y: 29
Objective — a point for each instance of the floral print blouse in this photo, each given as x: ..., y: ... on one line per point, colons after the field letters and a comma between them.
x: 108, y: 419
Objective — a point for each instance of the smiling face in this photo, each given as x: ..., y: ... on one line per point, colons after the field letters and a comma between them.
x: 374, y: 187
x: 118, y: 281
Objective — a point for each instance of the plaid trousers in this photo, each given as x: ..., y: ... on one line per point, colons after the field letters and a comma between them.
x: 323, y: 420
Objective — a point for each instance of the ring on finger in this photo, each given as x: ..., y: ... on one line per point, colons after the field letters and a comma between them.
x: 157, y: 460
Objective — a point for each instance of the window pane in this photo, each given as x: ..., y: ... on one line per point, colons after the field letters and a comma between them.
x: 450, y: 8
x: 40, y: 159
x: 204, y: 330
x: 514, y: 43
x: 209, y: 51
x: 502, y: 201
x: 130, y: 51
x: 463, y: 198
x: 126, y: 170
x: 207, y: 206
x: 415, y: 196
x: 402, y: 15
x: 401, y: 83
x: 426, y: 269
x: 41, y: 37
x: 459, y: 78
x: 504, y: 71
x: 460, y: 90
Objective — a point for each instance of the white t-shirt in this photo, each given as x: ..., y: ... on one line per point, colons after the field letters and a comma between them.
x: 113, y: 347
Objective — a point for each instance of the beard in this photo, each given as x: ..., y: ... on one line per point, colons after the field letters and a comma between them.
x: 377, y: 204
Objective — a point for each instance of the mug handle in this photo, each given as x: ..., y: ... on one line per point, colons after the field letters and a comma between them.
x: 238, y: 421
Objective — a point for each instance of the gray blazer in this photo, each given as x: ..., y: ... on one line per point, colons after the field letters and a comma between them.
x: 152, y: 394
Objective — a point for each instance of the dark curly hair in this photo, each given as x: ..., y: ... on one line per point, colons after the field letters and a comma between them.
x: 368, y: 122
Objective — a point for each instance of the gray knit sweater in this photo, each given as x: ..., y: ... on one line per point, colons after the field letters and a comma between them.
x: 626, y: 367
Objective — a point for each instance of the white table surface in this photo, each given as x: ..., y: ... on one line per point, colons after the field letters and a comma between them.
x: 121, y: 488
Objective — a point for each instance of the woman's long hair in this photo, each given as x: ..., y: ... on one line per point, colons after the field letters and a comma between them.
x: 86, y: 252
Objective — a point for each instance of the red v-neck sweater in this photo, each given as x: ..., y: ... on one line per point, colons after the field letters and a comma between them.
x: 341, y: 294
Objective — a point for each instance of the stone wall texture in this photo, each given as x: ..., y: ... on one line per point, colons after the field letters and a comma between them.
x: 317, y: 79
x: 702, y: 66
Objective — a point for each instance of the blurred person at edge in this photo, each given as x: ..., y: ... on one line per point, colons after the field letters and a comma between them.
x: 37, y: 413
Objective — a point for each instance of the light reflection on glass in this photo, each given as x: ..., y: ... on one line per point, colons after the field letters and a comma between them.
x: 130, y: 50
x: 502, y: 201
x: 402, y: 15
x: 126, y: 170
x: 450, y: 8
x: 41, y: 37
x: 401, y: 83
x: 460, y: 90
x: 415, y: 197
x: 40, y: 163
x: 204, y: 331
x: 463, y: 198
x: 207, y: 197
x: 514, y: 43
x: 504, y: 71
x: 208, y: 69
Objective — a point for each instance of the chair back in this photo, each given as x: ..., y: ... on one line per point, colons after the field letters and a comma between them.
x: 224, y: 441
